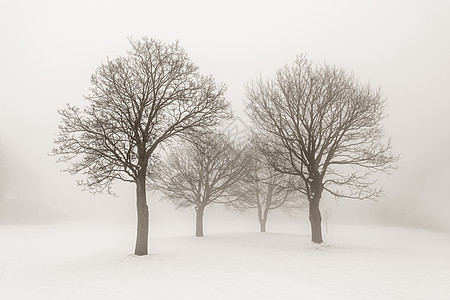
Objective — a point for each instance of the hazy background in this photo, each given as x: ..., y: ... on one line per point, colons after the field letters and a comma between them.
x: 49, y: 49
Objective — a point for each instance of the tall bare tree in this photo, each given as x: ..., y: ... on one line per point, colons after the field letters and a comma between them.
x: 318, y: 123
x: 201, y: 172
x: 136, y: 104
x: 264, y: 189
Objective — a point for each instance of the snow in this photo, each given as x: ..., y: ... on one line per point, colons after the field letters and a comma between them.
x: 87, y: 260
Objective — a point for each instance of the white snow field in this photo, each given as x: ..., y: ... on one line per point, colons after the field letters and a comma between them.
x: 92, y: 261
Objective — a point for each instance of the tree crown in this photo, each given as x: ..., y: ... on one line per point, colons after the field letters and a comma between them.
x: 202, y: 171
x: 318, y: 122
x: 137, y: 103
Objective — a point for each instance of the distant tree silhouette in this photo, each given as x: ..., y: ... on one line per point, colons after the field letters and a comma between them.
x: 264, y: 189
x: 200, y: 172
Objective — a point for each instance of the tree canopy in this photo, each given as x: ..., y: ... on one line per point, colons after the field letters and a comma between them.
x: 319, y: 123
x: 201, y: 172
x: 264, y: 189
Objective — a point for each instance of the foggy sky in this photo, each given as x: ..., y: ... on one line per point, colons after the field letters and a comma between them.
x: 50, y: 49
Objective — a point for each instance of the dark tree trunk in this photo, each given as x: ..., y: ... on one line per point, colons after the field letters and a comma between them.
x: 315, y: 219
x: 142, y: 219
x: 199, y: 221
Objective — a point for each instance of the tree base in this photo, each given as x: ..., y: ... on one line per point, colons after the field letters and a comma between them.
x: 320, y: 246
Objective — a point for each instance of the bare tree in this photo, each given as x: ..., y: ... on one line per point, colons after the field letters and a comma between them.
x: 136, y: 104
x: 201, y: 172
x: 264, y: 189
x: 318, y: 123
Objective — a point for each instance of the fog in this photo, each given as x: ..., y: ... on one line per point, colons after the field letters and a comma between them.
x: 50, y: 49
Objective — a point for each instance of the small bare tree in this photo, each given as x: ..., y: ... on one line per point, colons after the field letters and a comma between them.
x: 318, y: 123
x: 201, y: 172
x: 136, y: 104
x: 264, y: 189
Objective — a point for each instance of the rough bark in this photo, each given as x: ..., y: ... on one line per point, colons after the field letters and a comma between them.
x: 199, y: 221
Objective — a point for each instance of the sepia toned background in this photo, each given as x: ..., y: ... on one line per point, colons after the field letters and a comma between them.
x: 49, y: 49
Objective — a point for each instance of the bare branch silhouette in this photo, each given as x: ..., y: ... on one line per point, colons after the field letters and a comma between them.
x: 318, y: 123
x: 136, y: 104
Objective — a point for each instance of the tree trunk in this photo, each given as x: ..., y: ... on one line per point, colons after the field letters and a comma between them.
x: 263, y: 218
x: 315, y: 219
x: 142, y: 219
x: 262, y: 223
x: 199, y: 221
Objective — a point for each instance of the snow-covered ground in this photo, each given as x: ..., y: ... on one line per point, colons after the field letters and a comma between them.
x: 92, y: 261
